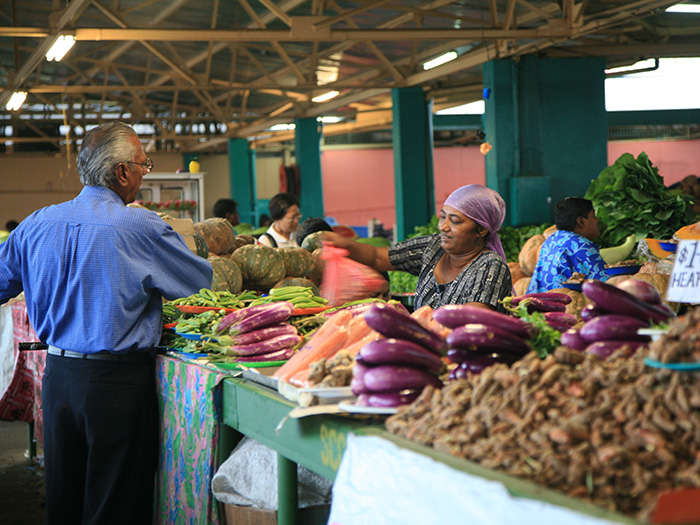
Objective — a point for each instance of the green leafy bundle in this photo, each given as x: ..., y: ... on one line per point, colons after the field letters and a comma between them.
x: 629, y: 197
x: 513, y: 238
x: 428, y: 229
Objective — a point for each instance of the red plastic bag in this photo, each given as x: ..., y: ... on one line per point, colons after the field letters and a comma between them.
x: 345, y: 280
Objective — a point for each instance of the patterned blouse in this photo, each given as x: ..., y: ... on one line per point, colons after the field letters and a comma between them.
x: 485, y: 280
x: 563, y: 253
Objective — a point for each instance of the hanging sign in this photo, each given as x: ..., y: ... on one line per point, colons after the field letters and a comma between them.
x: 684, y: 285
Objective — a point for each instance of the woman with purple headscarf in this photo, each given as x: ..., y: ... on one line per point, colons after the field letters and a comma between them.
x: 463, y: 264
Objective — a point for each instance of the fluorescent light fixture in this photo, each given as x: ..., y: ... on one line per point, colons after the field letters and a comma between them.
x: 684, y: 8
x: 283, y: 127
x: 326, y: 96
x: 435, y: 62
x: 16, y: 100
x: 329, y: 120
x: 60, y: 48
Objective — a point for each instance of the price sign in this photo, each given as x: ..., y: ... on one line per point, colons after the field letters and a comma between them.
x: 684, y: 286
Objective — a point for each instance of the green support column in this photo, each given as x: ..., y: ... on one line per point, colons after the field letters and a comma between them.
x: 412, y: 136
x: 546, y: 121
x: 241, y: 162
x: 307, y: 142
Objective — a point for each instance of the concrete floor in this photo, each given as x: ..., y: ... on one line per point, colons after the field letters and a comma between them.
x: 21, y: 481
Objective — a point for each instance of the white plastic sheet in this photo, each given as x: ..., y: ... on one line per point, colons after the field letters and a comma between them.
x: 382, y: 484
x: 7, y: 358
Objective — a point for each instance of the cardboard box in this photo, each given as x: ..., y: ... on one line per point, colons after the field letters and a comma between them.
x: 184, y: 227
x: 240, y: 515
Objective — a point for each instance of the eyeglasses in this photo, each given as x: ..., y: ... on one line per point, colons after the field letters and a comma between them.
x: 294, y: 217
x: 148, y: 164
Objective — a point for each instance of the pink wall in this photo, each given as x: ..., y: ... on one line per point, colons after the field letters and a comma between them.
x: 674, y: 158
x: 358, y: 185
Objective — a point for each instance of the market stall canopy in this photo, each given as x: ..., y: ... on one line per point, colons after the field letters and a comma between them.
x: 200, y: 72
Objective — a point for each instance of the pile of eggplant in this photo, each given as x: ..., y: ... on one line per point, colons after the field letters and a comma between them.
x: 394, y: 370
x: 551, y: 304
x: 481, y: 337
x: 614, y: 316
x: 258, y: 333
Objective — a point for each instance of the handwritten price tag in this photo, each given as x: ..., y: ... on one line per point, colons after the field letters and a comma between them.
x: 684, y: 286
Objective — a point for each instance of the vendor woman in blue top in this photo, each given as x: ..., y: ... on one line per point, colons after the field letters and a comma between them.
x: 569, y: 249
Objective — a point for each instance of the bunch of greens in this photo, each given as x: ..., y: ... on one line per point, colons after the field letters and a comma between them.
x: 629, y: 197
x: 547, y: 339
x: 513, y: 238
x: 402, y: 282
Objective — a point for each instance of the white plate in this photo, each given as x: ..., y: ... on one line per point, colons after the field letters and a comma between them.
x: 334, y: 392
x: 352, y: 408
x: 654, y: 333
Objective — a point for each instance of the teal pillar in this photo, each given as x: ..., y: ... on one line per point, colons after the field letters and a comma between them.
x: 241, y: 162
x: 546, y: 121
x: 412, y: 136
x: 307, y: 143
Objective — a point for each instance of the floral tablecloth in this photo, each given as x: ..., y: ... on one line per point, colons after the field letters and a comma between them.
x: 190, y: 408
x: 21, y: 398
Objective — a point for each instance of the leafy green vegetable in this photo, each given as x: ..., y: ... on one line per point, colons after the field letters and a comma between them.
x: 630, y: 197
x: 547, y: 338
x: 513, y: 238
x: 402, y: 282
x: 428, y: 229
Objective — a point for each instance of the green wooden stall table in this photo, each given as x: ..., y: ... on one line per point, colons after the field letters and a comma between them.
x: 316, y: 442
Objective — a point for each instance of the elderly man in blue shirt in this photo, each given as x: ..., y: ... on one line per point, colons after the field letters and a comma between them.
x: 569, y: 249
x: 94, y: 274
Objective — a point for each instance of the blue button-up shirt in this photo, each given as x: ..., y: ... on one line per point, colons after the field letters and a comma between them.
x: 94, y: 272
x: 563, y: 253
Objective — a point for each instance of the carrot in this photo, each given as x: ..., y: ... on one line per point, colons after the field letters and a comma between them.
x: 328, y: 338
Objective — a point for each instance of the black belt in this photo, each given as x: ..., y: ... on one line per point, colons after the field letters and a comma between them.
x: 131, y: 357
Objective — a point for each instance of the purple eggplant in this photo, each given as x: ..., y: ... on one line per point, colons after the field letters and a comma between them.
x: 273, y: 313
x: 390, y: 378
x: 535, y: 304
x: 615, y: 300
x: 467, y: 357
x: 262, y: 334
x: 476, y: 362
x: 400, y: 352
x: 642, y: 290
x: 554, y: 297
x: 279, y: 355
x: 613, y: 326
x: 388, y: 399
x: 590, y: 311
x: 390, y: 322
x: 559, y: 327
x: 561, y: 318
x: 572, y: 338
x: 604, y: 349
x: 476, y: 336
x: 357, y: 383
x: 238, y: 315
x: 458, y: 373
x: 264, y: 347
x: 456, y: 315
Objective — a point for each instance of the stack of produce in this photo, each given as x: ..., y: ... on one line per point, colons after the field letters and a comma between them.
x: 551, y: 304
x: 258, y: 333
x: 615, y: 315
x: 302, y: 297
x: 481, y: 337
x: 393, y: 371
x: 615, y: 432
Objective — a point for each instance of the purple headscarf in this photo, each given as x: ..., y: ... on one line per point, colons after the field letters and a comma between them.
x: 485, y: 207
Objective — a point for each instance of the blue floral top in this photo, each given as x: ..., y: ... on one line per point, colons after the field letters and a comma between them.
x: 563, y: 253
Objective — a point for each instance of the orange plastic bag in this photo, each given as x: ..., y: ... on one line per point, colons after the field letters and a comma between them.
x: 345, y: 280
